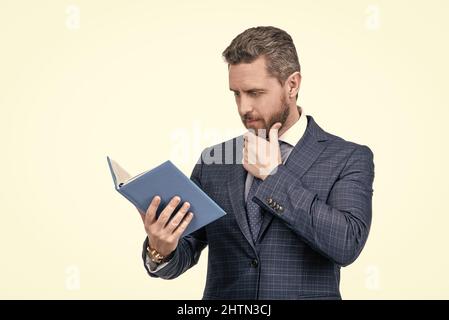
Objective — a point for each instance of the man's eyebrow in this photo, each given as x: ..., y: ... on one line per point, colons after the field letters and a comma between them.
x: 249, y: 90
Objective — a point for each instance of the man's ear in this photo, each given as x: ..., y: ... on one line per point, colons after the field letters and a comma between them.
x: 293, y: 83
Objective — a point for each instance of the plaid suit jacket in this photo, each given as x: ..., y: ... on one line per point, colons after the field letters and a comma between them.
x: 319, y: 221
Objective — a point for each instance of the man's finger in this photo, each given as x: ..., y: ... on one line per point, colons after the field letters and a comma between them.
x: 150, y: 216
x: 177, y: 219
x: 249, y: 158
x: 252, y: 146
x: 183, y: 225
x: 167, y: 212
x: 274, y: 131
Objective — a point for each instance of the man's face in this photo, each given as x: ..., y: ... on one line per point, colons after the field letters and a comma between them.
x: 260, y: 98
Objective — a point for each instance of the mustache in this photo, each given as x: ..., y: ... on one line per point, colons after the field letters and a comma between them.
x: 248, y: 118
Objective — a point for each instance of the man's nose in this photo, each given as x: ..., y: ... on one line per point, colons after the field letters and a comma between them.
x: 245, y: 106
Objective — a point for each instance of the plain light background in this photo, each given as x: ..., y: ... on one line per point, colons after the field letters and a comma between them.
x: 144, y: 81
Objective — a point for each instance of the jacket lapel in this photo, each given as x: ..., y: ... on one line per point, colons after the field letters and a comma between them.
x: 236, y: 190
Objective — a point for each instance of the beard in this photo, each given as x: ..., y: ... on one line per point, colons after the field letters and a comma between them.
x: 279, y: 116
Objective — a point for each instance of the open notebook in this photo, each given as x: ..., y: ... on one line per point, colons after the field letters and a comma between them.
x: 166, y: 181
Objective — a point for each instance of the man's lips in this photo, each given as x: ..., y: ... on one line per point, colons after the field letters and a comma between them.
x: 251, y: 121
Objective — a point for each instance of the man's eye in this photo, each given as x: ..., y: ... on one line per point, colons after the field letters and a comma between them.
x: 254, y: 94
x: 236, y: 94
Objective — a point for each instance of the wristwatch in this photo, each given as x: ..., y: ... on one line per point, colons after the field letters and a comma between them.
x: 156, y: 257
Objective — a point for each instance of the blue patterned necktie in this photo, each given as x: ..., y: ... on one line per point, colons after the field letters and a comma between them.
x: 254, y: 211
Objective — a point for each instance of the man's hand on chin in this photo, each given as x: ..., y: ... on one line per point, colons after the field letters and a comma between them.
x: 262, y: 157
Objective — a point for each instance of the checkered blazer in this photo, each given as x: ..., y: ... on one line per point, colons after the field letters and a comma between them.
x: 317, y: 216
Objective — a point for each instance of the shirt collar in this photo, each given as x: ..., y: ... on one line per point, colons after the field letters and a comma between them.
x: 296, y: 131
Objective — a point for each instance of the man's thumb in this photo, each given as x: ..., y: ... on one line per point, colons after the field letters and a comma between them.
x: 274, y: 131
x: 276, y: 126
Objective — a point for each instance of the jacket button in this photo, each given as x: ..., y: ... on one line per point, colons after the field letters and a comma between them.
x: 281, y: 208
x: 254, y: 263
x: 277, y: 207
x: 270, y: 201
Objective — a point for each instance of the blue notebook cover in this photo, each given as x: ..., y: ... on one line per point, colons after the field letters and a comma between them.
x: 166, y: 181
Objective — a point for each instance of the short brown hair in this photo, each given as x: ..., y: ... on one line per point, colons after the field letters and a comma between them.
x: 273, y: 43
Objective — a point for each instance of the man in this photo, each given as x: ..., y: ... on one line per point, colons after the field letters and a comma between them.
x: 298, y: 198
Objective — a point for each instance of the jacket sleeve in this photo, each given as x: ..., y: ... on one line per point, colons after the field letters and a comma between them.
x: 189, y: 248
x: 337, y: 228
